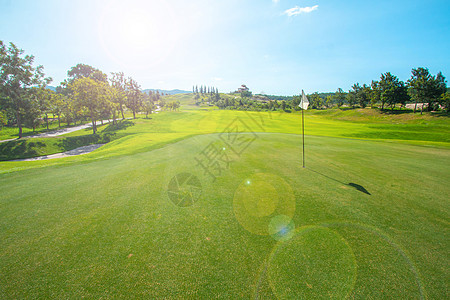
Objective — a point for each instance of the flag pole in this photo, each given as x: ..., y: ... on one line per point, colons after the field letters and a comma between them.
x: 303, y: 135
x: 303, y: 105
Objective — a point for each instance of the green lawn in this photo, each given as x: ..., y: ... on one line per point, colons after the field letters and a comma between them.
x: 362, y: 124
x: 367, y: 218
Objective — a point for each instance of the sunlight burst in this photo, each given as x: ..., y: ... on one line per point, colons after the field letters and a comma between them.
x: 138, y: 37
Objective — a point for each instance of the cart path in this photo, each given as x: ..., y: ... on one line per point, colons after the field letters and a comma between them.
x: 74, y: 152
x: 61, y: 131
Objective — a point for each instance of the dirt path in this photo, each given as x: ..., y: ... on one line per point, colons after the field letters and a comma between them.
x: 74, y: 152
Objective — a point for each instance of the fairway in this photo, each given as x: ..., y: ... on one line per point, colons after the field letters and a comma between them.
x: 224, y: 150
x: 366, y: 219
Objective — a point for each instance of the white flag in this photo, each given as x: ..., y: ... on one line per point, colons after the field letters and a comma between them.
x: 304, y: 103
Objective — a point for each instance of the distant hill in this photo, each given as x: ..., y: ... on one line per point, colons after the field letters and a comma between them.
x: 169, y: 92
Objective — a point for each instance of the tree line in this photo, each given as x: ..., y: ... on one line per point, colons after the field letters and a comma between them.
x: 87, y: 93
x: 205, y: 94
x: 387, y: 92
x: 204, y: 90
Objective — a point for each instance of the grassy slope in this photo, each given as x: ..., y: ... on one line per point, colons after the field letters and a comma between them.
x: 68, y: 229
x: 366, y: 124
x: 147, y: 134
x: 32, y: 147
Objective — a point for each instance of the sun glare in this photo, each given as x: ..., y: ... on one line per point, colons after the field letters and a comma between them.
x: 138, y: 37
x: 137, y: 30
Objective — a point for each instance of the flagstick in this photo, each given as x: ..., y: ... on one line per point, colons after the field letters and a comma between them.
x: 303, y: 135
x: 303, y: 105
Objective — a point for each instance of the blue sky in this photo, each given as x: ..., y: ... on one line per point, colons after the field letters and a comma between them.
x: 277, y: 47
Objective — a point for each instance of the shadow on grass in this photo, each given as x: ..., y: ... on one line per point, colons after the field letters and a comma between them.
x: 107, y: 135
x: 359, y: 188
x: 388, y: 111
x: 120, y: 125
x: 356, y: 186
x: 440, y: 114
x: 20, y: 148
x: 70, y: 143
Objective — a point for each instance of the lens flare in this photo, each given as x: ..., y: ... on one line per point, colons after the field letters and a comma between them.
x: 281, y: 228
x: 263, y: 203
x: 317, y: 261
x: 339, y: 260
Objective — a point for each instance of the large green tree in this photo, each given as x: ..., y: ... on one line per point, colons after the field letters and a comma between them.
x: 339, y: 97
x: 3, y: 119
x: 351, y: 98
x: 88, y: 94
x: 57, y: 100
x: 445, y: 101
x: 426, y: 88
x: 375, y: 93
x: 17, y: 77
x: 148, y: 104
x: 83, y: 70
x: 44, y: 100
x: 315, y: 101
x: 116, y: 98
x: 361, y: 94
x: 33, y: 108
x: 441, y: 87
x: 134, y: 96
x: 392, y: 90
x: 118, y: 82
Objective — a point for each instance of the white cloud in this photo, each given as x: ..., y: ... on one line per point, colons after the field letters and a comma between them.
x: 300, y: 10
x: 275, y: 1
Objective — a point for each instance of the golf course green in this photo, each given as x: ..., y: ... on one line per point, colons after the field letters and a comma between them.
x: 205, y: 203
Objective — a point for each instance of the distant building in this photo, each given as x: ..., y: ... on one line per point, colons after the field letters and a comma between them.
x: 243, y: 88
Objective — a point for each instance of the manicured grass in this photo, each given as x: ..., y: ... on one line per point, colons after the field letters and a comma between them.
x: 168, y: 127
x: 106, y: 228
x: 369, y: 213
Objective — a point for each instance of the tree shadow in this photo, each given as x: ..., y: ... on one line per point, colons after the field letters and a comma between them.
x: 388, y: 111
x: 106, y: 136
x: 19, y: 149
x: 356, y: 186
x: 440, y: 114
x: 120, y: 125
x: 70, y: 143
